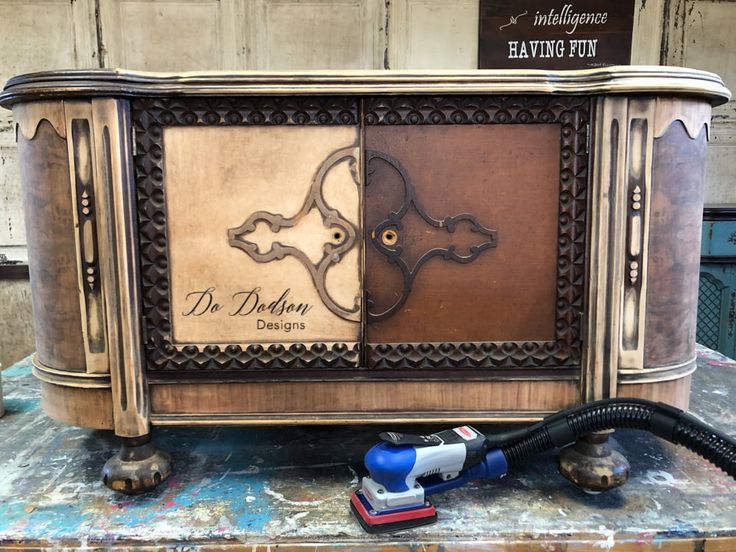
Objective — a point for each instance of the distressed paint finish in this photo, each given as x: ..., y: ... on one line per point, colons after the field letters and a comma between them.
x: 261, y: 198
x: 290, y: 486
x: 50, y: 229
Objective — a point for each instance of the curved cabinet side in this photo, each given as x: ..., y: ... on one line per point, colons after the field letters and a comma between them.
x: 678, y: 175
x: 69, y: 393
x: 77, y: 406
x: 52, y: 255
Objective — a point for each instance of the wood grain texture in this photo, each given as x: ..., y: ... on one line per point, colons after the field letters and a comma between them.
x: 152, y: 118
x: 363, y: 398
x: 91, y: 408
x: 506, y: 293
x: 675, y: 392
x: 51, y: 249
x: 249, y: 170
x: 674, y: 246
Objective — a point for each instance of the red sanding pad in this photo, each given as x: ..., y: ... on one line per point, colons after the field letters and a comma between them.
x: 390, y: 521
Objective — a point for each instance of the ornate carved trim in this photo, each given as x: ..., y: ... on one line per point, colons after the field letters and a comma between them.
x: 27, y: 117
x: 294, y: 110
x: 263, y: 357
x: 693, y: 116
x: 85, y: 188
x: 150, y: 116
x: 637, y: 184
x: 573, y: 116
x: 511, y: 354
x: 81, y: 142
x: 456, y: 110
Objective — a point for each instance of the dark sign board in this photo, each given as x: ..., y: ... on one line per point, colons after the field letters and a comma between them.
x: 554, y: 34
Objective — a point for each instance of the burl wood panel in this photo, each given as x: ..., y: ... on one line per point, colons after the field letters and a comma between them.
x: 352, y: 397
x: 51, y: 249
x: 507, y: 178
x: 216, y: 180
x: 678, y: 171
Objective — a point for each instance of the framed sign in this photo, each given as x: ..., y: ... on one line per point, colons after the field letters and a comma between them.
x: 554, y: 34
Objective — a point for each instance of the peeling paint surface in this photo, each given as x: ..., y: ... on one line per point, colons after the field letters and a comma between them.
x: 291, y: 485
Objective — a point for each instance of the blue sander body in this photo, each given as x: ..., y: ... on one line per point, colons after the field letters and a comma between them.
x: 406, y: 469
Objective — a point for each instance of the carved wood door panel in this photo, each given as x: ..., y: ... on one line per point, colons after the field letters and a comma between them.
x: 474, y: 230
x: 250, y: 233
x: 300, y: 237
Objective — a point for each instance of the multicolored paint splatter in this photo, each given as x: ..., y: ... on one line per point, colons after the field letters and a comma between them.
x: 291, y: 485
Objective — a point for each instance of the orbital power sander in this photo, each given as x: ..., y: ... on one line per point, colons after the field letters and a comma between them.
x: 406, y: 469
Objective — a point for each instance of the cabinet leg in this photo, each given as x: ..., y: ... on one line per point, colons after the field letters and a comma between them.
x: 137, y: 467
x: 593, y: 465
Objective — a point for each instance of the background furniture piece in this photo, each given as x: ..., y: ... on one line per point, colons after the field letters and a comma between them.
x: 303, y: 248
x: 717, y: 295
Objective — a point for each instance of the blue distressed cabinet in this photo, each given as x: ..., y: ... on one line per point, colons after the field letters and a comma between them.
x: 717, y: 295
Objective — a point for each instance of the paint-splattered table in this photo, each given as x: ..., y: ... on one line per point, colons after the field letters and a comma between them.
x: 290, y: 486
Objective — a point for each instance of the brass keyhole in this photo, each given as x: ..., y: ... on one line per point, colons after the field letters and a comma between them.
x: 389, y: 237
x: 337, y: 236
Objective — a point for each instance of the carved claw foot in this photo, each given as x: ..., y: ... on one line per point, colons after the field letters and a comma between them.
x: 138, y: 467
x: 593, y: 465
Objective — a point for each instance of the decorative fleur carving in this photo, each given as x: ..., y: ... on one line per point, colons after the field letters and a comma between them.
x: 150, y: 116
x: 343, y: 233
x: 386, y: 236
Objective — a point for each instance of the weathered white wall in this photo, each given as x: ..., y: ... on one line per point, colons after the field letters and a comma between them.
x: 182, y: 35
x: 700, y: 33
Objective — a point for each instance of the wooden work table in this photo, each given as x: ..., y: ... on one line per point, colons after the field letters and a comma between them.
x: 289, y: 486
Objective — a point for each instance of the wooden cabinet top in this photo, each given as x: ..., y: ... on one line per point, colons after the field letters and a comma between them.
x: 122, y: 83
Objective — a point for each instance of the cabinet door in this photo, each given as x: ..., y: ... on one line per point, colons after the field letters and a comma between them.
x: 475, y: 232
x: 250, y: 233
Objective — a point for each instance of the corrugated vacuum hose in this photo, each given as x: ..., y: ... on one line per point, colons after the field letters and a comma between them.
x: 665, y: 421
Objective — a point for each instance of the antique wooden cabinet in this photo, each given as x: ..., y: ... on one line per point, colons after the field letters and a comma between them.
x: 249, y: 248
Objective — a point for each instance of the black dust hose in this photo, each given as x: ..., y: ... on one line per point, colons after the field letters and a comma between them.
x: 665, y: 421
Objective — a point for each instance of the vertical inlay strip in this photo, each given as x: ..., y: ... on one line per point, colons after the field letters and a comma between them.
x: 636, y: 207
x: 87, y: 229
x: 81, y: 154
